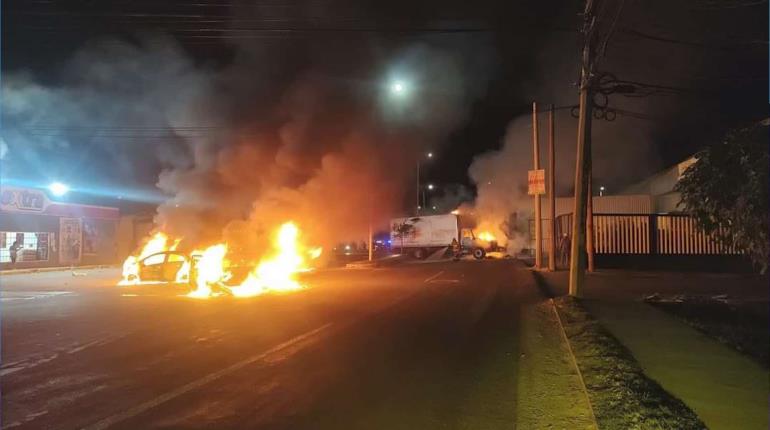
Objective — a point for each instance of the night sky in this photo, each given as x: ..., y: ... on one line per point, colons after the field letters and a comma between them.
x: 706, y: 59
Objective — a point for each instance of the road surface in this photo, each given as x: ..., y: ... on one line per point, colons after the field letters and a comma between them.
x: 418, y: 346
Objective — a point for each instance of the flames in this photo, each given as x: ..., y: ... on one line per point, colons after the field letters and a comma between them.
x: 210, y: 268
x: 486, y: 236
x: 159, y: 242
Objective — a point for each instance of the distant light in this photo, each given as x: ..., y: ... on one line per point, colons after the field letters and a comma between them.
x: 601, y: 188
x: 456, y: 212
x: 430, y: 155
x: 430, y: 186
x: 347, y: 247
x: 389, y: 242
x: 434, y: 208
x: 398, y: 87
x: 58, y: 189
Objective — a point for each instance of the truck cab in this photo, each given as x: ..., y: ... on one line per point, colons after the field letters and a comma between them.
x: 475, y: 246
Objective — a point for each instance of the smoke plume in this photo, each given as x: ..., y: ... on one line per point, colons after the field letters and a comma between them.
x: 277, y: 134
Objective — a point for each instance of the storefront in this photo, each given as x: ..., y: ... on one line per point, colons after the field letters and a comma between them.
x: 37, y: 232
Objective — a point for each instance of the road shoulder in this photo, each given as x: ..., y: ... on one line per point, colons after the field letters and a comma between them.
x: 549, y: 391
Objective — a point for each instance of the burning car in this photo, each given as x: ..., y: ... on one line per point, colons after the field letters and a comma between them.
x: 164, y: 266
x: 212, y: 271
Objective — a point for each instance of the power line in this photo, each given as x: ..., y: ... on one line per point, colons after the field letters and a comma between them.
x: 726, y: 46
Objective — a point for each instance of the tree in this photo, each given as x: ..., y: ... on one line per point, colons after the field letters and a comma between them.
x: 726, y: 191
x: 404, y: 229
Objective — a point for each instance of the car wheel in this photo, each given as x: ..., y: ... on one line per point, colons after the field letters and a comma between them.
x: 479, y: 253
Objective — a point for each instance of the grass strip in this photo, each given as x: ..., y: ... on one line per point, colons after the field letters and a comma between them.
x: 623, y: 397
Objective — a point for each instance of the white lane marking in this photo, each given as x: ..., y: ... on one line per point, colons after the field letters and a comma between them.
x: 434, y: 276
x: 8, y: 296
x: 281, y: 351
x: 10, y: 368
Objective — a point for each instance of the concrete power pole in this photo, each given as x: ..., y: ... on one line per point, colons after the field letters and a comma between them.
x: 582, y: 160
x: 538, y: 216
x: 551, y: 192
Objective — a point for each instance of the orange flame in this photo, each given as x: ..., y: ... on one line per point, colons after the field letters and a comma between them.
x: 486, y: 236
x: 157, y: 243
x: 276, y: 273
x: 210, y: 270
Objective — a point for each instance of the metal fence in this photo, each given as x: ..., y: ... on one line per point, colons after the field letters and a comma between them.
x: 670, y: 234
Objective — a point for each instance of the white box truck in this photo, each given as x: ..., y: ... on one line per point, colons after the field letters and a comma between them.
x: 422, y: 235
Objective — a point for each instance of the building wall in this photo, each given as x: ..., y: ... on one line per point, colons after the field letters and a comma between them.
x: 54, y: 233
x: 20, y: 223
x: 131, y: 231
x: 624, y: 204
x: 97, y: 242
x: 663, y: 182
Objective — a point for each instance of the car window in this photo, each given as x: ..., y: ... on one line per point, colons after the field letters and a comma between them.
x: 175, y: 258
x: 154, y: 259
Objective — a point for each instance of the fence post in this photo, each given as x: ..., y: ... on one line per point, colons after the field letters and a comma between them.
x: 653, y: 234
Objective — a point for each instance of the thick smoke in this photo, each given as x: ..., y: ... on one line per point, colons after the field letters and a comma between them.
x: 275, y: 135
x: 623, y: 150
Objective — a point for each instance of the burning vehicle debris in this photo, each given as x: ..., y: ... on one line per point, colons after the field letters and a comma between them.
x: 214, y: 271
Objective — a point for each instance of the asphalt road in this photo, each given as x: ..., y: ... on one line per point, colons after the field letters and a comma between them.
x: 420, y: 346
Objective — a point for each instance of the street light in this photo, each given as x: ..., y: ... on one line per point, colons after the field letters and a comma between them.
x: 398, y: 87
x: 428, y: 155
x: 58, y: 189
x: 601, y: 191
x: 430, y: 186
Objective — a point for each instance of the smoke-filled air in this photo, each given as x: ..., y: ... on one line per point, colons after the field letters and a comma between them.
x: 241, y: 148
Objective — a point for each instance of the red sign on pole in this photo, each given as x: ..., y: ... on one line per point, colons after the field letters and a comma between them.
x: 536, y: 181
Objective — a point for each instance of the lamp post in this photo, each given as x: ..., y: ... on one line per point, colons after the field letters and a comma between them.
x: 428, y: 155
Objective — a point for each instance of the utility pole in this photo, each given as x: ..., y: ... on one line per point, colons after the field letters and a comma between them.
x: 417, y: 208
x: 371, y: 242
x: 590, y: 209
x: 371, y: 230
x: 582, y: 160
x: 538, y: 222
x: 551, y: 192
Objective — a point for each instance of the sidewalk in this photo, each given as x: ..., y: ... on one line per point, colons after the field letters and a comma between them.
x: 54, y: 269
x: 725, y: 388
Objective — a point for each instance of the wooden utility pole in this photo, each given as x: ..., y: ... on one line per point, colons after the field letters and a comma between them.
x: 371, y: 242
x: 538, y: 222
x: 551, y: 192
x: 417, y: 208
x: 590, y: 212
x: 582, y: 160
x: 371, y: 231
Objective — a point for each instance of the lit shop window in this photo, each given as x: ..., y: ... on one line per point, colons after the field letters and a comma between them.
x: 28, y: 246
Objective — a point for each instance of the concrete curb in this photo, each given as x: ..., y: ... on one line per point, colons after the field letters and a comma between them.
x: 55, y: 269
x: 574, y: 361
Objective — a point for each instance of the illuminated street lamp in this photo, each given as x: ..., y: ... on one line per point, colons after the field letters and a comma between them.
x: 430, y: 186
x: 601, y: 191
x: 58, y: 189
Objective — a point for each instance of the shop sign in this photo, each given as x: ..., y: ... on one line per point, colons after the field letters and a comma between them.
x: 22, y: 200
